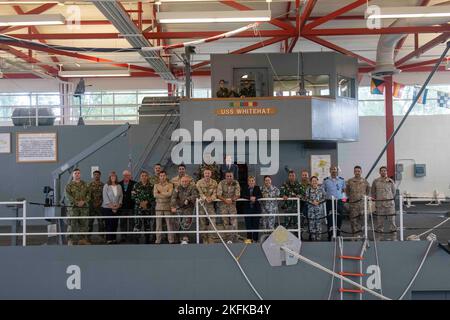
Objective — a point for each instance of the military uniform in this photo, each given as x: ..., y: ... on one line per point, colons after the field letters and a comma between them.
x: 205, y: 190
x: 384, y: 188
x: 315, y: 212
x: 269, y: 207
x: 95, y: 205
x: 215, y: 172
x: 176, y: 181
x: 223, y: 93
x: 75, y: 192
x: 163, y: 193
x: 154, y: 179
x: 291, y: 190
x: 139, y: 194
x: 184, y: 198
x: 248, y: 92
x: 226, y: 191
x: 356, y: 189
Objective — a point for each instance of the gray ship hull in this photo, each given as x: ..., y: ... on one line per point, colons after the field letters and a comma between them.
x: 208, y: 272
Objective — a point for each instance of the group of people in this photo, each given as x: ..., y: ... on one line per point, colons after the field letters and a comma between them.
x: 247, y: 91
x: 162, y: 198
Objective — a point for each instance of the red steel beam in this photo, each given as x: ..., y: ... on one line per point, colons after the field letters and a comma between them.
x: 78, y: 56
x: 34, y: 29
x: 241, y: 7
x: 335, y: 14
x: 307, y: 13
x: 297, y: 25
x: 19, y: 54
x: 255, y: 46
x: 365, y: 31
x: 334, y: 47
x: 389, y: 117
x: 38, y: 10
x: 428, y: 46
x: 418, y: 64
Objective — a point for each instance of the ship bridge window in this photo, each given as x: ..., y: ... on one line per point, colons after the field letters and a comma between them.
x: 346, y: 87
x: 309, y: 85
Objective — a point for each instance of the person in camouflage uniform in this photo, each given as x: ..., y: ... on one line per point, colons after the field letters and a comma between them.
x: 176, y: 181
x: 95, y: 205
x: 215, y: 171
x: 291, y: 189
x: 228, y: 191
x: 315, y: 197
x: 77, y: 192
x: 269, y: 207
x: 182, y: 202
x: 155, y: 178
x: 383, y: 191
x: 142, y: 195
x: 356, y: 188
x: 207, y: 190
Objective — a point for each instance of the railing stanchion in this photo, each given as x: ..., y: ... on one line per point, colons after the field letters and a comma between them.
x: 333, y: 208
x: 24, y: 223
x: 365, y: 217
x: 197, y: 222
x: 401, y: 217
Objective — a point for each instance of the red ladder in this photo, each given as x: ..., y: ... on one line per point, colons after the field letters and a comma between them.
x: 358, y: 274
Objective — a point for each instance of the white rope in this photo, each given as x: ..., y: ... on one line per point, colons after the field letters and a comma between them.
x: 436, y: 226
x: 418, y: 270
x: 320, y: 267
x: 229, y: 251
x: 334, y: 269
x: 376, y: 250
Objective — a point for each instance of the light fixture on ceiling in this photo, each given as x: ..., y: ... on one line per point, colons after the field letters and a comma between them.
x: 94, y: 73
x: 409, y: 12
x: 214, y: 16
x: 32, y: 20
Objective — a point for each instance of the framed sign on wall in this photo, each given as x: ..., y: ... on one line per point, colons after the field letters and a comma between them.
x: 5, y: 142
x: 320, y: 166
x: 36, y: 147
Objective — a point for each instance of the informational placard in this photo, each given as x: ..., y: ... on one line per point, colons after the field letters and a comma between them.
x: 5, y: 142
x: 320, y: 166
x: 37, y: 147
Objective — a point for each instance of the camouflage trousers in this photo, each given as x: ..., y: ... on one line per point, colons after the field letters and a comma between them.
x: 268, y: 222
x: 77, y: 225
x: 356, y: 215
x: 205, y: 225
x: 170, y: 222
x: 382, y: 216
x: 229, y: 223
x: 186, y: 224
x: 315, y: 213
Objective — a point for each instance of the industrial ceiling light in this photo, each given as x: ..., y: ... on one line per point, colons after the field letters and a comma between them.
x: 214, y: 16
x: 32, y: 20
x: 94, y: 73
x: 409, y: 12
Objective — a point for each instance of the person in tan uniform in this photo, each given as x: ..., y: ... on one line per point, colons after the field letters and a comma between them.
x: 383, y: 188
x: 176, y: 181
x: 162, y: 192
x: 356, y: 188
x: 207, y: 190
x: 229, y: 191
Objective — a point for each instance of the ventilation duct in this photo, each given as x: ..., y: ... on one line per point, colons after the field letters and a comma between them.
x: 387, y: 43
x: 115, y: 13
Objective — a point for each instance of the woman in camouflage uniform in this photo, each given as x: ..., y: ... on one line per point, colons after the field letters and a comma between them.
x: 269, y: 207
x: 314, y: 198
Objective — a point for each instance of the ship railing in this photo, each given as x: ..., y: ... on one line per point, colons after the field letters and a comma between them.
x: 24, y: 218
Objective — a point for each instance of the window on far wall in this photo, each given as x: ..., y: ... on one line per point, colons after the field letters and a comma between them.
x: 315, y: 85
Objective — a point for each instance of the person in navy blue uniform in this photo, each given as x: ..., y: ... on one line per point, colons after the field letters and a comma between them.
x: 252, y: 193
x: 334, y: 186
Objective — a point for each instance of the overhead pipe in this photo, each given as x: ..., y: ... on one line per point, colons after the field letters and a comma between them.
x: 385, y: 64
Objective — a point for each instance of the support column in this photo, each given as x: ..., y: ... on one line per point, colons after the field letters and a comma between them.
x: 389, y: 110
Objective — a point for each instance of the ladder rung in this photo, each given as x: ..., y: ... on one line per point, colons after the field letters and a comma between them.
x: 351, y: 257
x: 352, y: 274
x: 351, y: 290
